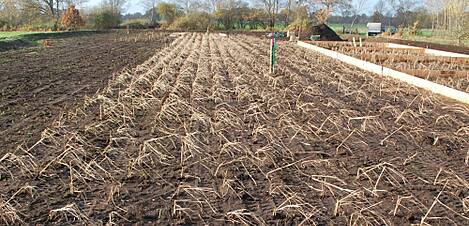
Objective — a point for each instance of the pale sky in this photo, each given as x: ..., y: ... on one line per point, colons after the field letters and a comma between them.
x: 135, y: 5
x: 132, y: 5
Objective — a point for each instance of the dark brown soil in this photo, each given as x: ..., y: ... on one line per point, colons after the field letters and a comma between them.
x: 202, y: 134
x: 40, y: 83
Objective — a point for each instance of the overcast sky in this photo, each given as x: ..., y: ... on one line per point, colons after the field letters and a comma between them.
x: 135, y: 6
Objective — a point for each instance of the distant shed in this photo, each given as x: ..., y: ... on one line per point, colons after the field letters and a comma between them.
x: 374, y: 29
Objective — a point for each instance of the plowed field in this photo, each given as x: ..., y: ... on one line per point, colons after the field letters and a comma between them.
x: 201, y: 133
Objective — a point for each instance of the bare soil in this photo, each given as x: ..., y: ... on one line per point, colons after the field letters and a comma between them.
x: 449, y: 71
x: 202, y: 134
x: 38, y: 84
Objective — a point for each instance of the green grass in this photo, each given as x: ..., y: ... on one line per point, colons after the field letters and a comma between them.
x: 17, y: 34
x: 338, y: 28
x: 434, y: 36
x: 439, y: 39
x: 20, y: 39
x: 428, y: 33
x: 28, y: 35
x: 12, y: 34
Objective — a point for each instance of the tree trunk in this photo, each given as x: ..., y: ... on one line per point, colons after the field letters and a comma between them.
x: 287, y: 19
x: 57, y: 12
x: 433, y: 23
x: 152, y: 19
x: 353, y: 21
x: 50, y: 5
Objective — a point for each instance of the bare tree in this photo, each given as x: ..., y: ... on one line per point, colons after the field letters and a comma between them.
x: 10, y: 12
x: 52, y: 8
x: 332, y: 5
x: 272, y: 8
x: 357, y: 9
x: 150, y: 5
x: 456, y: 18
x: 228, y: 12
x: 288, y: 8
x: 407, y: 5
x: 114, y: 6
x: 212, y: 5
x: 329, y: 6
x: 380, y: 7
x: 401, y: 9
x: 434, y: 8
x: 68, y: 3
x: 193, y: 5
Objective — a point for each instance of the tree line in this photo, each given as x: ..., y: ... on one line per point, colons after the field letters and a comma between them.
x: 450, y: 15
x: 58, y: 14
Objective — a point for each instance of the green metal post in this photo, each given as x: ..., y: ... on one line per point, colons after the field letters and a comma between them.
x: 273, y: 54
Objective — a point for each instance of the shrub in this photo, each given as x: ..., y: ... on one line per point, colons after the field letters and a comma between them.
x: 39, y: 27
x: 302, y: 27
x: 168, y: 12
x: 107, y: 20
x: 4, y: 26
x: 134, y: 25
x: 463, y: 32
x: 165, y: 25
x: 71, y: 18
x: 139, y: 24
x: 415, y: 29
x: 194, y: 21
x: 300, y: 24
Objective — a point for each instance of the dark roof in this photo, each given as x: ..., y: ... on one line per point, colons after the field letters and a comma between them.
x: 326, y: 33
